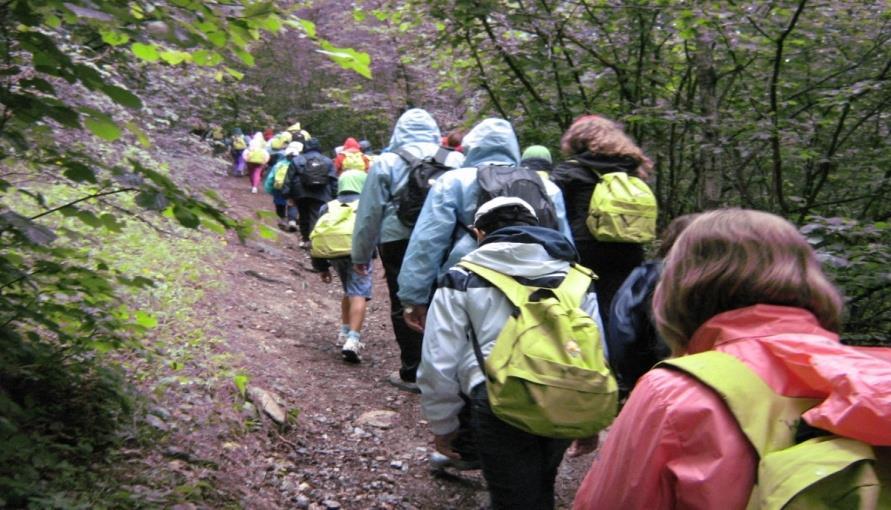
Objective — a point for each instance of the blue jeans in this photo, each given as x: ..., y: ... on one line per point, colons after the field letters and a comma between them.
x: 519, y: 468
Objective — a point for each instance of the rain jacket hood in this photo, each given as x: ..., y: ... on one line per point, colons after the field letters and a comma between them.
x: 491, y: 142
x: 351, y: 144
x: 554, y: 243
x: 809, y: 361
x: 413, y: 126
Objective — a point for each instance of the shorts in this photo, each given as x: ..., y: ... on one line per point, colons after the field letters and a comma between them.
x: 352, y: 282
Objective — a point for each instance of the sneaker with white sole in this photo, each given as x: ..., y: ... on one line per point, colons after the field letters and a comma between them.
x: 440, y: 461
x: 253, y: 189
x: 292, y: 226
x: 351, y: 348
x: 408, y: 386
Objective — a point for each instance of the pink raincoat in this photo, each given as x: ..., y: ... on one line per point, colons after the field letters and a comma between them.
x: 676, y: 445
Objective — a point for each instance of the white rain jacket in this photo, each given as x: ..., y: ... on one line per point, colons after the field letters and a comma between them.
x: 465, y: 302
x: 437, y: 242
x: 376, y: 220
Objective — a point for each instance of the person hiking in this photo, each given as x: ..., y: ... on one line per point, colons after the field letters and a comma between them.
x: 237, y: 143
x: 742, y: 300
x: 351, y: 157
x: 311, y: 182
x: 595, y: 146
x: 440, y: 237
x: 334, y: 251
x: 468, y: 312
x: 538, y: 158
x: 378, y: 226
x: 256, y: 157
x: 634, y: 344
x: 275, y: 184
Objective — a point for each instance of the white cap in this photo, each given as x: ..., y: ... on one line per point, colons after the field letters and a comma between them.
x: 499, y: 202
x: 294, y: 148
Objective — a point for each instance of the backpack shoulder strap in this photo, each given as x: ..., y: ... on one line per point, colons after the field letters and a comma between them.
x: 404, y: 153
x: 515, y: 292
x: 442, y: 154
x: 575, y: 285
x: 769, y: 425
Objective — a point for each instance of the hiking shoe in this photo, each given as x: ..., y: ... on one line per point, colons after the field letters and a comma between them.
x: 350, y: 349
x: 282, y: 225
x: 292, y: 226
x: 440, y: 461
x: 341, y: 338
x: 253, y: 189
x: 408, y: 386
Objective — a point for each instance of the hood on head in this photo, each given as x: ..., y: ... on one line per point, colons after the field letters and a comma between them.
x: 413, y: 126
x: 537, y: 151
x: 351, y: 143
x: 237, y: 131
x: 257, y: 142
x: 313, y: 144
x: 492, y: 141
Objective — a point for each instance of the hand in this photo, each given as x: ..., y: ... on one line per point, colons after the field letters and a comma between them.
x: 326, y: 277
x: 415, y: 317
x: 584, y: 446
x: 443, y: 444
x: 361, y: 269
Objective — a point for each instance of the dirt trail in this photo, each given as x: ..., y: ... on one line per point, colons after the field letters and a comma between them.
x: 279, y: 323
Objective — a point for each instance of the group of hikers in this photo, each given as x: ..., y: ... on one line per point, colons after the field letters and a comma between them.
x: 529, y: 320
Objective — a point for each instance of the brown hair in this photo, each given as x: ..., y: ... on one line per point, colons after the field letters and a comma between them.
x: 734, y: 258
x: 599, y: 135
x: 453, y: 139
x: 672, y: 231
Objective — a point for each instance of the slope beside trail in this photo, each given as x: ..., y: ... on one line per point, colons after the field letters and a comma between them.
x: 278, y: 322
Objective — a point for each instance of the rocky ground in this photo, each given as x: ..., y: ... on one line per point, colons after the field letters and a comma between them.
x: 351, y: 440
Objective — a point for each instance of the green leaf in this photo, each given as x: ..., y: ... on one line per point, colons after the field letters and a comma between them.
x: 122, y: 96
x: 245, y: 57
x: 218, y: 39
x: 235, y: 74
x: 241, y: 382
x: 79, y: 172
x: 258, y: 9
x: 146, y: 319
x: 267, y: 233
x: 114, y: 38
x: 147, y: 52
x: 206, y: 58
x: 348, y: 58
x: 151, y: 200
x: 139, y: 133
x: 185, y: 217
x: 309, y: 27
x: 359, y: 15
x: 103, y: 127
x: 175, y: 57
x: 272, y: 24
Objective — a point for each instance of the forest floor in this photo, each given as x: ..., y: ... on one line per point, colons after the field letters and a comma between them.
x: 270, y: 318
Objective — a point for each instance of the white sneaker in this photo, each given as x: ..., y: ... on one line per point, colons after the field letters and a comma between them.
x: 350, y: 350
x: 341, y: 338
x: 253, y: 189
x: 292, y: 226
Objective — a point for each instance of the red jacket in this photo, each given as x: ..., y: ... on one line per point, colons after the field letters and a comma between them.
x: 676, y: 445
x: 350, y: 145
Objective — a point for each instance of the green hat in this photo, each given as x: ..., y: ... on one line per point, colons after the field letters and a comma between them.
x: 536, y: 151
x: 351, y: 181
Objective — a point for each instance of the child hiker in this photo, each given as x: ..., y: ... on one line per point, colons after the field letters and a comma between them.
x: 331, y: 241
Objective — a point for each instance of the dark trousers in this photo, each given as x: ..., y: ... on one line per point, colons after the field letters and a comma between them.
x: 282, y: 210
x: 408, y: 339
x: 612, y: 262
x: 307, y: 215
x: 519, y: 468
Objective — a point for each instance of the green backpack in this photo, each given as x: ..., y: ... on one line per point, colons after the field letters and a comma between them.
x: 821, y: 473
x: 547, y: 373
x: 622, y: 209
x: 275, y: 179
x: 332, y: 236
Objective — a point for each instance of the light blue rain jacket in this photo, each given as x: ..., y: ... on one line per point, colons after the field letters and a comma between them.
x: 376, y: 220
x: 437, y: 242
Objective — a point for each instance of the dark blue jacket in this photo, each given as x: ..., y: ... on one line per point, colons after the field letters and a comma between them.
x: 294, y: 190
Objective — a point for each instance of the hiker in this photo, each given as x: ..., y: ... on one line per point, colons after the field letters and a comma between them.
x: 744, y: 305
x: 237, y: 143
x: 453, y: 140
x: 596, y: 146
x: 351, y: 157
x: 634, y: 344
x: 441, y: 236
x: 276, y: 147
x: 256, y: 158
x: 311, y: 183
x: 538, y: 158
x: 275, y: 182
x: 298, y: 134
x: 468, y: 314
x: 331, y: 243
x: 378, y: 227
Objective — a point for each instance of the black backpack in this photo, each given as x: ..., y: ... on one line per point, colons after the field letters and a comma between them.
x: 315, y: 173
x: 520, y: 182
x: 422, y: 173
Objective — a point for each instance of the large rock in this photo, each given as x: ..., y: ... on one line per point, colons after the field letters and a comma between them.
x: 265, y: 401
x: 381, y: 419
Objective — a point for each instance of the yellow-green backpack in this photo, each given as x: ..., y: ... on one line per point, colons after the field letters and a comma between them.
x: 825, y: 472
x: 547, y: 373
x: 333, y: 234
x: 622, y: 209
